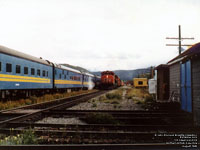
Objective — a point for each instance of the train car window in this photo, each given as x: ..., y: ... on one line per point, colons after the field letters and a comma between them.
x: 67, y: 72
x: 18, y: 69
x: 63, y: 72
x: 38, y: 72
x: 43, y: 73
x: 8, y: 67
x: 25, y: 70
x: 47, y: 73
x: 55, y: 72
x: 32, y: 71
x: 65, y: 77
x: 140, y: 82
x: 60, y: 75
x: 0, y: 66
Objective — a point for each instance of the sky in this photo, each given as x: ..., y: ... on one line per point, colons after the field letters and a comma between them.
x: 99, y: 34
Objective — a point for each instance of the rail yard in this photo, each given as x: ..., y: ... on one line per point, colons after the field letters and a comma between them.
x: 98, y: 75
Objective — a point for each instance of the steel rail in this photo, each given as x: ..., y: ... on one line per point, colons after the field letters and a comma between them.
x: 99, y: 134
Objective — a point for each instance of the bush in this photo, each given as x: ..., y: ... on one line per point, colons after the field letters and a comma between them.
x: 100, y: 118
x: 29, y: 137
x: 113, y: 96
x: 148, y: 98
x: 101, y: 98
x: 114, y: 102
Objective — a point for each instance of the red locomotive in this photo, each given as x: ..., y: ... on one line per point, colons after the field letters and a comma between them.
x: 109, y: 80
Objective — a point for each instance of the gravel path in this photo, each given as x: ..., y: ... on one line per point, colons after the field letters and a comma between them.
x: 96, y: 104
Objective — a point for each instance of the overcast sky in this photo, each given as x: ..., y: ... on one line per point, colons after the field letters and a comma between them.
x: 99, y: 34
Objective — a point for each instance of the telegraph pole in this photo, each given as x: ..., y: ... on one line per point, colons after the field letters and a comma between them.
x: 179, y: 40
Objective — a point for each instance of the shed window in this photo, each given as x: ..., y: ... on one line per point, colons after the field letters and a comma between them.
x: 25, y: 70
x: 140, y: 82
x: 38, y: 72
x: 0, y: 66
x: 18, y: 69
x: 8, y: 67
x: 32, y: 71
x: 43, y: 73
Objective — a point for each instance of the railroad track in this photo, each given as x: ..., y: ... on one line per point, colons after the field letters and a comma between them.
x: 138, y: 146
x: 103, y: 137
x: 35, y: 110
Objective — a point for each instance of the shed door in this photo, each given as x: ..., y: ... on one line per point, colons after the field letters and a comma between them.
x: 186, y: 98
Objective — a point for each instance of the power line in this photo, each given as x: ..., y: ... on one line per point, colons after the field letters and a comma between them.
x: 179, y: 40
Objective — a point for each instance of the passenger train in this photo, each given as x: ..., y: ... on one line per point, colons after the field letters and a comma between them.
x: 22, y: 74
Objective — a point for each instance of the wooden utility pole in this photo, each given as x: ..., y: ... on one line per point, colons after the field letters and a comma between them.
x: 179, y: 40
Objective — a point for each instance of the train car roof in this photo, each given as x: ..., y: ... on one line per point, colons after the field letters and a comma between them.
x: 67, y: 68
x: 15, y: 53
x: 98, y: 77
x: 89, y: 74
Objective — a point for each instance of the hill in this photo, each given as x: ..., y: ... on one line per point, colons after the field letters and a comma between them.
x: 128, y: 74
x: 125, y: 75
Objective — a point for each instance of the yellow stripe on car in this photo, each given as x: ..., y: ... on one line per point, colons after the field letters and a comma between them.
x: 67, y: 82
x: 85, y: 83
x: 16, y: 78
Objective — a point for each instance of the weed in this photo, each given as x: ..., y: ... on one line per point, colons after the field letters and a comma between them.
x: 27, y: 137
x: 114, y: 106
x: 28, y: 102
x: 113, y: 96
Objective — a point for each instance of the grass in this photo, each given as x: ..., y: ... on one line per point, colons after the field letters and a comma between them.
x: 141, y: 97
x: 100, y: 118
x: 134, y: 92
x: 34, y: 100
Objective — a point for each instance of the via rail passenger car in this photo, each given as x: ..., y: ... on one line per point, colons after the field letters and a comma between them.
x: 22, y: 74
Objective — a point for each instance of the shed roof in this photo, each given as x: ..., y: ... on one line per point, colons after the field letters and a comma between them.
x: 162, y: 66
x: 15, y: 53
x: 194, y: 50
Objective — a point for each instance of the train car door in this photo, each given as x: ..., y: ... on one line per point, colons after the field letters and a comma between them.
x: 186, y: 94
